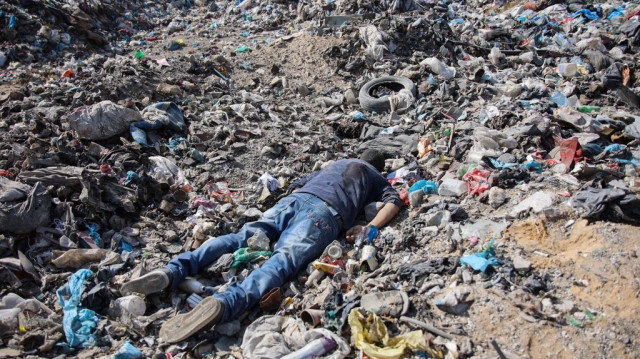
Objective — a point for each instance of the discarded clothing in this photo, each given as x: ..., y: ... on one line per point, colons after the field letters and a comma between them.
x: 417, y: 269
x: 157, y: 116
x: 477, y: 181
x: 23, y: 208
x: 511, y: 177
x: 608, y: 204
x: 274, y: 336
x: 102, y: 120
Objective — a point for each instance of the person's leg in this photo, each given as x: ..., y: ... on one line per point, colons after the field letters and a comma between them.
x: 304, y: 239
x: 272, y: 223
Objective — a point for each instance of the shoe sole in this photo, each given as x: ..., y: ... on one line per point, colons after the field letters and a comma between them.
x: 146, y: 284
x: 182, y: 326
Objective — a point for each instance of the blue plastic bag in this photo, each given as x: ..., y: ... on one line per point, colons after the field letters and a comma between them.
x: 615, y: 147
x: 428, y: 187
x: 559, y: 99
x: 586, y: 13
x: 532, y: 166
x: 78, y: 323
x: 482, y: 260
x: 615, y: 13
x: 498, y: 164
x: 128, y: 351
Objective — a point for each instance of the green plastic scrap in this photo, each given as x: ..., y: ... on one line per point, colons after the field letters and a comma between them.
x: 246, y: 255
x: 242, y: 48
x: 573, y: 321
x: 589, y: 314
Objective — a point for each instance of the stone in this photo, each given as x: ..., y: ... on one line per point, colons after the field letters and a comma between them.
x: 452, y: 187
x: 521, y: 264
x: 565, y: 306
x: 167, y: 89
x: 416, y: 198
x: 507, y: 158
x: 536, y: 202
x: 467, y: 278
x: 351, y: 97
x: 304, y: 90
x: 439, y: 219
x: 497, y: 197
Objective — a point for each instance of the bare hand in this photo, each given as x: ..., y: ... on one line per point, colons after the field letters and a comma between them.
x: 352, y: 233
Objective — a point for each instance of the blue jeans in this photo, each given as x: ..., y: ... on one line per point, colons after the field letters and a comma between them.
x: 302, y: 224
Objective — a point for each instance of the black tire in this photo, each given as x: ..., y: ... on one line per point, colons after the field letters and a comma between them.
x: 381, y: 104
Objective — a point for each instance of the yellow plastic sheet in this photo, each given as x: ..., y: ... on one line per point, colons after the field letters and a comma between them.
x: 370, y: 334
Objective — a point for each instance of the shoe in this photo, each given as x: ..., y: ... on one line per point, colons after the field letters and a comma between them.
x: 208, y: 312
x: 152, y: 282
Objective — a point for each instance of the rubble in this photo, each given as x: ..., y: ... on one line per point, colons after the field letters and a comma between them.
x: 134, y: 131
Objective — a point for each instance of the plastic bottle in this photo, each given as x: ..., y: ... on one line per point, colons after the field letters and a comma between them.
x: 242, y: 48
x: 191, y: 285
x: 496, y: 56
x: 438, y: 67
x: 326, y: 267
x: 335, y: 251
x: 588, y: 109
x: 132, y: 304
x: 313, y: 349
x: 368, y: 259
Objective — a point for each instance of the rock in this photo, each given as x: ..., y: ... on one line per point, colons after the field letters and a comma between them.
x: 416, y: 198
x: 507, y: 158
x: 565, y: 306
x: 303, y: 90
x: 467, y: 278
x: 521, y: 264
x: 276, y: 82
x: 351, y: 97
x: 439, y: 219
x: 496, y: 197
x: 452, y: 187
x: 167, y: 89
x: 535, y: 202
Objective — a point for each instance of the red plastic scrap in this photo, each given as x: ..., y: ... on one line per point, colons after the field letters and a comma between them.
x: 5, y: 173
x: 220, y: 192
x: 570, y: 152
x: 632, y: 14
x: 69, y: 74
x: 477, y: 181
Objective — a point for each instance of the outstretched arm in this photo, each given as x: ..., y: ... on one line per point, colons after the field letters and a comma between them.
x: 384, y: 216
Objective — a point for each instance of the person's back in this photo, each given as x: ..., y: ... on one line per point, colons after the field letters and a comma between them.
x: 347, y: 186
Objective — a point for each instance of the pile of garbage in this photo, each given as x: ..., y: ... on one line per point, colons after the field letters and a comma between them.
x: 133, y: 131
